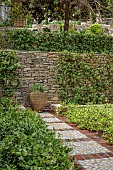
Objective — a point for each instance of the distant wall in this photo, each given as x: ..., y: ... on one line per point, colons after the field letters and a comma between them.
x: 56, y: 27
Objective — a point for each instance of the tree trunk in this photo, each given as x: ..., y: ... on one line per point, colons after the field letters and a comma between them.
x: 67, y: 12
x: 112, y: 9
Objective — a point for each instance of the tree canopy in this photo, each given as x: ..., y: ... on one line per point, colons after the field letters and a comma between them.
x: 70, y: 9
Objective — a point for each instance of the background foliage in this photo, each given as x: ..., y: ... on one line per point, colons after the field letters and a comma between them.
x: 85, y: 78
x: 9, y: 79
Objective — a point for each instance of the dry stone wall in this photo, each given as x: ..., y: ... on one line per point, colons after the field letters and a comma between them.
x: 37, y: 67
x: 40, y: 67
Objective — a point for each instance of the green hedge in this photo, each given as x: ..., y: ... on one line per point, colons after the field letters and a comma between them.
x: 26, y: 143
x: 86, y: 78
x: 18, y: 39
x: 78, y: 42
x: 92, y: 117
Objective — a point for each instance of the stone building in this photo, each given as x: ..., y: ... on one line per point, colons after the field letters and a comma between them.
x: 6, y: 7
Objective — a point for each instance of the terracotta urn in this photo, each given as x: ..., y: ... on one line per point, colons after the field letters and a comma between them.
x: 38, y: 97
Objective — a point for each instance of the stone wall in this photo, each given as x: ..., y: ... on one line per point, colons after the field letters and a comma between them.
x: 37, y: 67
x: 56, y: 27
x: 40, y: 27
x: 40, y: 67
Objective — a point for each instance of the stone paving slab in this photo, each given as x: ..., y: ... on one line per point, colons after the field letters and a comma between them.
x: 58, y: 126
x: 98, y: 164
x: 45, y: 114
x: 70, y: 134
x: 51, y: 119
x: 86, y: 147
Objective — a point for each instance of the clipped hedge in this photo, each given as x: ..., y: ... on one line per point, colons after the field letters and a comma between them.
x: 76, y: 43
x: 85, y: 78
x: 26, y: 143
x: 91, y: 117
x: 41, y: 41
x: 18, y: 39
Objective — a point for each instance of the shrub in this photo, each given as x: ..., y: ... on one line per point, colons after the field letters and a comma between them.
x: 95, y: 29
x: 92, y: 117
x: 27, y: 144
x: 37, y: 87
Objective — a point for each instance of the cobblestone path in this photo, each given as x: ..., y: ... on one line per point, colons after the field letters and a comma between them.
x: 90, y: 152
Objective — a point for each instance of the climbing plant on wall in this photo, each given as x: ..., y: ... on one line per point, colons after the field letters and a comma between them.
x: 9, y: 77
x: 85, y: 78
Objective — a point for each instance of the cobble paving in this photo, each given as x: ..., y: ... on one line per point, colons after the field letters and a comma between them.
x: 58, y: 126
x: 86, y: 147
x: 46, y: 115
x: 100, y: 164
x: 51, y: 119
x: 90, y: 152
x: 70, y: 134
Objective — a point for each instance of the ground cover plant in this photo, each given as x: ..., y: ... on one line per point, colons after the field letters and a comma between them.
x: 60, y: 41
x: 97, y: 118
x: 25, y: 142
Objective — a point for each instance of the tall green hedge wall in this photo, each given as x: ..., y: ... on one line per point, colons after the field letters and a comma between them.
x: 41, y: 41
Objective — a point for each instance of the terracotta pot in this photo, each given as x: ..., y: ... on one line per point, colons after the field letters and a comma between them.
x: 38, y: 100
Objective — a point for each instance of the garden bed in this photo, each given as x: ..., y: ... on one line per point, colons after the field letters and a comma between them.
x: 97, y: 118
x: 26, y: 143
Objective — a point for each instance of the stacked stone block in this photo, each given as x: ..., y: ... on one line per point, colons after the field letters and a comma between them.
x: 37, y: 67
